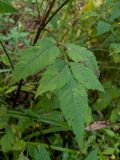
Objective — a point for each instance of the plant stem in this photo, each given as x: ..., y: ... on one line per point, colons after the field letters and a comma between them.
x: 37, y: 7
x: 5, y: 51
x: 43, y: 22
x: 17, y: 92
x: 62, y: 5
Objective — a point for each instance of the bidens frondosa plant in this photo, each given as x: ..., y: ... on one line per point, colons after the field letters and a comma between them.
x: 52, y: 94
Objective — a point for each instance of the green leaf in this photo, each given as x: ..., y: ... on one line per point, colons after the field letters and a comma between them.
x: 5, y: 7
x: 85, y: 76
x: 115, y: 52
x: 19, y: 145
x: 36, y: 58
x: 114, y: 91
x: 45, y: 104
x: 82, y: 55
x: 38, y: 152
x: 103, y: 101
x: 7, y: 141
x: 3, y: 117
x: 111, y: 92
x: 77, y: 53
x: 56, y: 76
x: 109, y: 151
x: 74, y: 104
x: 114, y: 116
x: 115, y: 13
x: 92, y: 155
x: 109, y: 133
x: 103, y: 27
x: 91, y: 14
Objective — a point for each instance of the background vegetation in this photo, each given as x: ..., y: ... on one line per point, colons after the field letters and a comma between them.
x: 54, y: 101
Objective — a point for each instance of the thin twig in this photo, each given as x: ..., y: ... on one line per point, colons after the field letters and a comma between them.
x: 17, y: 92
x: 5, y: 51
x: 37, y: 7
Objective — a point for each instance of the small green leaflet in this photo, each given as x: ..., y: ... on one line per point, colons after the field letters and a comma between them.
x: 18, y: 145
x: 5, y: 7
x: 103, y: 27
x: 38, y: 152
x: 115, y: 52
x: 109, y: 151
x: 82, y: 55
x: 115, y: 13
x: 7, y: 141
x: 77, y: 53
x: 35, y: 58
x: 92, y: 155
x: 85, y: 77
x: 56, y: 76
x: 74, y: 103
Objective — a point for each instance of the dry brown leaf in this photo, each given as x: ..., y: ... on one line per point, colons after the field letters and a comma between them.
x: 97, y: 125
